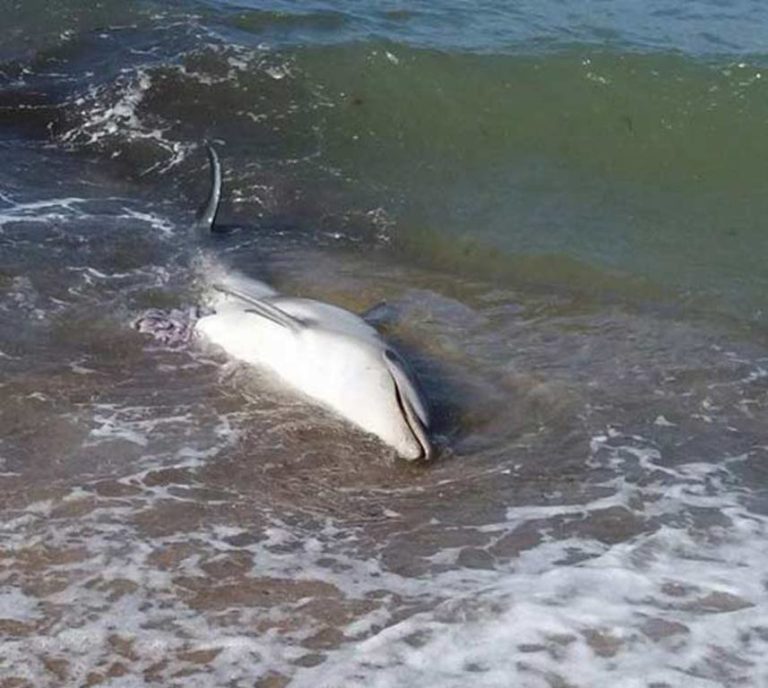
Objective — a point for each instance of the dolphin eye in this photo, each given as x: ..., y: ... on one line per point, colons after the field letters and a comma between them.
x: 392, y: 356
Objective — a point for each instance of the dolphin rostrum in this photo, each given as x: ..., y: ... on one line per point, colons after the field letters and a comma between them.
x: 327, y: 353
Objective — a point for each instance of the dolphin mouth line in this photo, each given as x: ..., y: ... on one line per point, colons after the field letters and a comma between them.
x: 414, y: 425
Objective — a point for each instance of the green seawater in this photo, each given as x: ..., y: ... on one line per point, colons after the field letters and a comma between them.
x: 605, y: 148
x: 650, y: 167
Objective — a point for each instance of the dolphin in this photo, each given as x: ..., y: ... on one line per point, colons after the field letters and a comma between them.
x: 328, y: 354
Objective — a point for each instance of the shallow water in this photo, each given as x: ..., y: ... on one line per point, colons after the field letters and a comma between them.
x: 562, y: 207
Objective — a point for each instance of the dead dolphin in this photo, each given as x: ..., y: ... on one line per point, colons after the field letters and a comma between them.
x: 327, y: 353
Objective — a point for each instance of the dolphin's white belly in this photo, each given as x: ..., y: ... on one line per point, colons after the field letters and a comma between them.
x: 342, y: 371
x: 253, y: 340
x: 321, y: 350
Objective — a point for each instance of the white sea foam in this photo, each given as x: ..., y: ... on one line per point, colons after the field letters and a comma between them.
x: 678, y: 606
x: 105, y: 115
x: 682, y: 604
x: 42, y: 211
x: 161, y: 224
x: 16, y: 605
x: 131, y: 570
x: 114, y: 112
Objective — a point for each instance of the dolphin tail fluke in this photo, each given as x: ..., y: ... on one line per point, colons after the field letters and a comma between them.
x: 207, y: 215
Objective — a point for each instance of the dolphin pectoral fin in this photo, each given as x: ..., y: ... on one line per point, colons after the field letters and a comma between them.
x: 414, y: 422
x: 265, y: 309
x: 421, y: 435
x: 379, y: 314
x: 407, y: 388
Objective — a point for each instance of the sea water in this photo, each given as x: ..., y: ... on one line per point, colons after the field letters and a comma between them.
x: 562, y: 204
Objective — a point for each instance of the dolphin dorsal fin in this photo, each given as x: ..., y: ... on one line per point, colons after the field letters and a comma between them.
x: 263, y: 308
x: 207, y: 216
